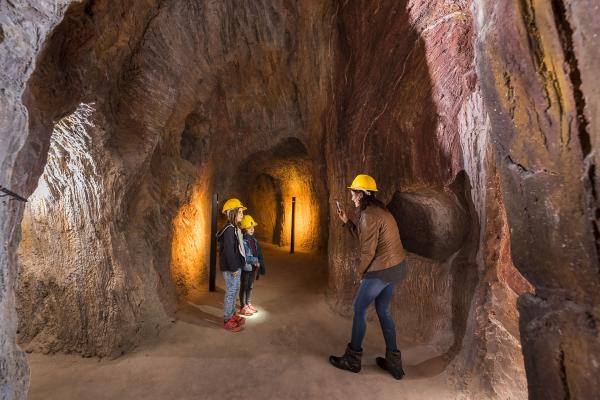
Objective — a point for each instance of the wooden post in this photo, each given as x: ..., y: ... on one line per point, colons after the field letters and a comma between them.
x: 293, y: 224
x: 212, y: 273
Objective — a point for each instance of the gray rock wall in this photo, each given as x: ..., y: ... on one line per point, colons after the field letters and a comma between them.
x: 24, y: 27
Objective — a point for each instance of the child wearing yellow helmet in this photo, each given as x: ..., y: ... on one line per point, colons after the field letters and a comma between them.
x: 254, y: 263
x: 232, y: 260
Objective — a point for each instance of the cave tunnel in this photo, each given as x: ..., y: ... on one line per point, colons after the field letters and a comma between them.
x: 276, y: 177
x: 121, y: 120
x: 267, y: 191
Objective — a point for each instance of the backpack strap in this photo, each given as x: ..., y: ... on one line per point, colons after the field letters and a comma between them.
x: 222, y: 231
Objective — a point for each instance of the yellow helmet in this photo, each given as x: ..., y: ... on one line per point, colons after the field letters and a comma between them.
x: 231, y: 204
x: 248, y: 222
x: 363, y: 182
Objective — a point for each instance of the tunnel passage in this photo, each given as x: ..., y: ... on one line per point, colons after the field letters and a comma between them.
x: 266, y: 202
x: 269, y: 180
x: 265, y: 181
x: 181, y: 125
x: 161, y: 97
x: 298, y: 108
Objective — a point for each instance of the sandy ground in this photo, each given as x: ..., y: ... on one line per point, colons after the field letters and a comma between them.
x: 282, y: 353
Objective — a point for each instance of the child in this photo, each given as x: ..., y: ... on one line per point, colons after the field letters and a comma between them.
x: 232, y: 260
x: 254, y: 262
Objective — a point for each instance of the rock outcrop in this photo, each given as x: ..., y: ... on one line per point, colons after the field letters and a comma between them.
x: 161, y: 113
x: 121, y: 119
x: 417, y: 122
x: 23, y: 32
x: 538, y: 71
x: 432, y: 223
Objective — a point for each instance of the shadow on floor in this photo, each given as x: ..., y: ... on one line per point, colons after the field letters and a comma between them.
x: 203, y: 309
x: 428, y: 368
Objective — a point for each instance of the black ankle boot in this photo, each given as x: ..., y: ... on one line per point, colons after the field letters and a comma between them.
x: 392, y: 363
x: 350, y: 361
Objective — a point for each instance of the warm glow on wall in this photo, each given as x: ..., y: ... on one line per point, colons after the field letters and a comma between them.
x: 270, y: 180
x: 191, y: 243
x: 299, y: 185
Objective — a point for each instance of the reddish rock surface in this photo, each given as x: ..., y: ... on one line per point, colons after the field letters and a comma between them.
x: 542, y: 96
x: 406, y: 115
x: 222, y: 81
x: 476, y: 118
x: 433, y: 223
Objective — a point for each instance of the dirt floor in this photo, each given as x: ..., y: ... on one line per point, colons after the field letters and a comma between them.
x: 282, y: 353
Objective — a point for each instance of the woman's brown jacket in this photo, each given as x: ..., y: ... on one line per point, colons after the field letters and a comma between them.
x: 380, y: 244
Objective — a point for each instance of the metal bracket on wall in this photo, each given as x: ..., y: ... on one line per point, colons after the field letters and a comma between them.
x: 12, y: 194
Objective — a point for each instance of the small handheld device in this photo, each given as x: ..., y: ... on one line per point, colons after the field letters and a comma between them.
x: 338, y: 206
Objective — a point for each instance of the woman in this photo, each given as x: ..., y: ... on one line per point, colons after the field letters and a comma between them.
x: 232, y: 259
x: 382, y: 264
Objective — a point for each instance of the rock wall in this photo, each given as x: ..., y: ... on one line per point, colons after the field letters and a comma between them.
x: 538, y: 71
x: 387, y: 113
x: 23, y: 31
x: 88, y: 282
x: 266, y: 202
x: 75, y: 248
x: 288, y: 165
x: 490, y: 364
x: 160, y: 113
x: 411, y: 113
x: 477, y: 118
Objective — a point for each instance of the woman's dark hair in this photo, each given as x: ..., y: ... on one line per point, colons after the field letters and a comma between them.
x: 369, y: 200
x: 232, y: 216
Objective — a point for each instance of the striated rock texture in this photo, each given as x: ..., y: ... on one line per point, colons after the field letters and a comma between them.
x: 538, y: 71
x: 477, y: 119
x: 23, y: 31
x: 432, y: 223
x: 410, y: 112
x: 67, y: 256
x: 160, y: 113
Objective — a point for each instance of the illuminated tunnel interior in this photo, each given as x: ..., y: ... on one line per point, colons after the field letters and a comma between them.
x: 276, y: 176
x: 123, y: 119
x: 270, y: 211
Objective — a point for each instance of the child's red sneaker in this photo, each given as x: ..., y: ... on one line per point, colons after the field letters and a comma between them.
x: 252, y: 308
x: 246, y: 311
x: 232, y: 325
x: 239, y: 320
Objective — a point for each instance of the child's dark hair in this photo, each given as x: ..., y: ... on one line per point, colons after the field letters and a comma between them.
x: 369, y: 200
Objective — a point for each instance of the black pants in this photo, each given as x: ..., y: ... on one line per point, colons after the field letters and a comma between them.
x: 246, y: 284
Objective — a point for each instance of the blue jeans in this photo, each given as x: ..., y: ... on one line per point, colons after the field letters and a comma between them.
x: 232, y: 285
x: 380, y: 291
